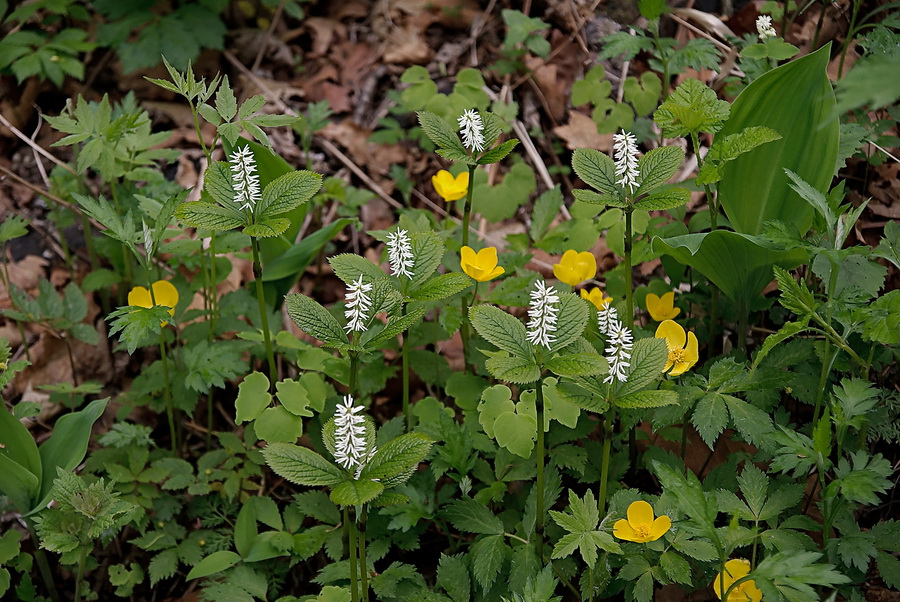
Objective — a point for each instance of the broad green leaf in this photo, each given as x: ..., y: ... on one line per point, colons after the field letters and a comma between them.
x: 516, y: 432
x: 278, y: 425
x: 596, y: 170
x: 594, y: 198
x: 577, y: 364
x: 664, y: 200
x: 314, y: 320
x: 572, y: 320
x: 428, y: 250
x: 18, y: 483
x: 648, y: 358
x: 268, y: 227
x: 487, y: 555
x: 473, y: 517
x: 785, y: 332
x: 647, y: 399
x: 394, y: 327
x: 657, y: 166
x: 501, y: 330
x: 795, y: 100
x: 710, y: 417
x: 692, y: 108
x: 441, y: 287
x: 292, y: 262
x: 453, y: 576
x: 395, y: 461
x: 350, y: 266
x: 517, y: 370
x: 214, y: 563
x: 301, y: 466
x: 444, y: 137
x: 200, y: 214
x: 253, y: 397
x: 739, y: 264
x: 728, y: 148
x: 217, y: 183
x: 288, y: 192
x: 498, y: 153
x: 18, y: 444
x: 356, y: 493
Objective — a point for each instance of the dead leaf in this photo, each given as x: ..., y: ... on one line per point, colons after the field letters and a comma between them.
x: 581, y: 132
x: 376, y: 158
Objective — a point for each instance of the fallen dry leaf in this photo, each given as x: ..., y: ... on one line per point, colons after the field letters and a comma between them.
x: 581, y: 132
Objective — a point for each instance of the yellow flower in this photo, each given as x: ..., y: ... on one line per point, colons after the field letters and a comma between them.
x: 596, y: 297
x: 165, y: 292
x: 481, y: 266
x: 662, y: 308
x: 450, y: 188
x: 681, y: 358
x: 743, y: 592
x: 574, y: 268
x: 641, y: 526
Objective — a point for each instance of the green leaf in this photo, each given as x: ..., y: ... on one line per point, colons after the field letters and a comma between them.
x: 217, y: 183
x: 278, y: 425
x: 453, y: 576
x: 596, y: 170
x: 795, y: 296
x: 664, y: 200
x: 501, y: 330
x: 577, y: 364
x: 395, y: 461
x: 445, y: 138
x: 253, y: 397
x: 785, y: 332
x: 287, y: 192
x: 497, y: 153
x: 692, y: 108
x: 739, y: 264
x: 301, y: 466
x: 472, y: 517
x: 200, y: 214
x: 647, y: 399
x: 428, y: 250
x: 728, y: 148
x: 795, y: 100
x: 441, y: 287
x: 710, y: 417
x: 214, y: 563
x: 517, y: 370
x: 314, y: 320
x: 648, y: 358
x: 356, y: 493
x: 593, y: 198
x: 226, y: 104
x: 349, y: 266
x: 546, y: 208
x: 487, y: 555
x: 657, y: 166
x: 395, y: 327
x: 572, y: 320
x: 516, y: 432
x: 267, y: 228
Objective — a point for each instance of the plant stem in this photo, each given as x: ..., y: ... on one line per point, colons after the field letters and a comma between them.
x: 467, y: 208
x: 363, y: 567
x: 607, y: 426
x: 81, y: 562
x: 354, y: 374
x: 71, y: 360
x: 263, y: 313
x: 404, y: 356
x: 743, y: 317
x: 354, y: 579
x: 213, y: 288
x: 167, y: 386
x: 629, y: 293
x: 539, y: 498
x: 43, y: 565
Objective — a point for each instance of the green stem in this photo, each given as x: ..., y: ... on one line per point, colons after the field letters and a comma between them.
x: 607, y: 425
x: 263, y: 313
x: 81, y: 562
x: 354, y: 374
x: 43, y: 565
x: 126, y: 254
x: 213, y: 289
x: 467, y: 208
x: 354, y: 579
x: 539, y: 498
x: 629, y: 293
x: 743, y: 317
x: 404, y: 356
x: 167, y: 386
x: 363, y: 567
x: 851, y: 31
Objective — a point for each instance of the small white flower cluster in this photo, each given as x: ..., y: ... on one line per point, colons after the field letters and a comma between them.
x: 246, y: 182
x: 148, y: 239
x: 626, y: 157
x: 619, y: 342
x: 358, y: 305
x: 350, y: 436
x: 400, y: 254
x: 471, y: 128
x: 542, y: 315
x: 764, y: 28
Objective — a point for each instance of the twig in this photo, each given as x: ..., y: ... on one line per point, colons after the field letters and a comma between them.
x: 269, y: 33
x: 34, y: 145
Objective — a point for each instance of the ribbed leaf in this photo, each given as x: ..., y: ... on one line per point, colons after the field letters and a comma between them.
x: 397, y: 459
x: 596, y: 170
x: 288, y: 192
x: 573, y: 318
x: 268, y: 227
x: 666, y: 199
x: 795, y: 100
x: 200, y: 214
x: 648, y: 357
x: 428, y: 250
x: 301, y: 466
x: 349, y: 266
x: 314, y: 320
x: 217, y: 183
x: 443, y: 136
x: 441, y: 287
x: 394, y: 327
x: 517, y: 370
x: 501, y: 330
x: 647, y: 399
x: 657, y: 166
x: 356, y: 493
x: 577, y: 364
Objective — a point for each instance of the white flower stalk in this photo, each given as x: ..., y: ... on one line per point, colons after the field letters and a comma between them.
x: 400, y: 254
x: 626, y: 157
x: 619, y: 343
x: 471, y: 128
x: 244, y: 178
x: 764, y: 28
x: 607, y: 317
x: 349, y: 435
x: 358, y: 305
x: 148, y: 240
x: 542, y: 315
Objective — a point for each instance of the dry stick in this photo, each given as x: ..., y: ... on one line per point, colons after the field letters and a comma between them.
x: 35, y: 145
x: 269, y: 34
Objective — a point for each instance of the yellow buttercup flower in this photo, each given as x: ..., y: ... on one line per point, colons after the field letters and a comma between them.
x: 450, y: 188
x: 743, y: 592
x: 662, y: 308
x: 481, y: 266
x: 640, y: 526
x: 596, y: 297
x: 574, y: 268
x: 164, y: 291
x: 681, y: 357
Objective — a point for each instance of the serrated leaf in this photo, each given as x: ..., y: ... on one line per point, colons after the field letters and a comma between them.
x: 517, y: 370
x: 301, y: 465
x: 314, y: 320
x: 710, y: 417
x: 664, y: 200
x: 349, y: 266
x: 573, y: 317
x: 441, y: 287
x: 395, y: 327
x: 577, y: 364
x: 453, y: 576
x: 692, y: 107
x: 594, y: 198
x: 395, y: 461
x: 501, y: 330
x: 226, y: 104
x: 212, y: 564
x: 164, y: 566
x: 785, y: 332
x: 487, y: 555
x: 428, y: 250
x: 268, y: 227
x: 443, y: 136
x: 356, y: 493
x: 497, y: 153
x: 648, y: 358
x: 287, y: 192
x: 472, y: 517
x: 596, y: 170
x: 657, y: 166
x: 647, y: 399
x: 200, y: 214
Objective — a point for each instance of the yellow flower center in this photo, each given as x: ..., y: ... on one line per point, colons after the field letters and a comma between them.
x: 676, y: 355
x: 643, y: 531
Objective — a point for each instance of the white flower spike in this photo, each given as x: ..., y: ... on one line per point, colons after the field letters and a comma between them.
x: 246, y: 182
x: 542, y: 315
x: 349, y: 435
x: 619, y: 343
x: 400, y: 254
x: 358, y: 305
x: 764, y: 28
x: 471, y: 128
x: 626, y: 157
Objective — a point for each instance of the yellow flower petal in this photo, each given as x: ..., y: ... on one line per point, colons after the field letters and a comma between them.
x: 672, y: 332
x: 734, y: 570
x: 574, y: 267
x: 448, y: 187
x: 737, y: 568
x: 660, y: 526
x: 662, y: 308
x: 691, y: 353
x: 596, y: 297
x: 623, y: 530
x: 139, y: 297
x: 640, y: 513
x: 481, y: 266
x: 166, y: 295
